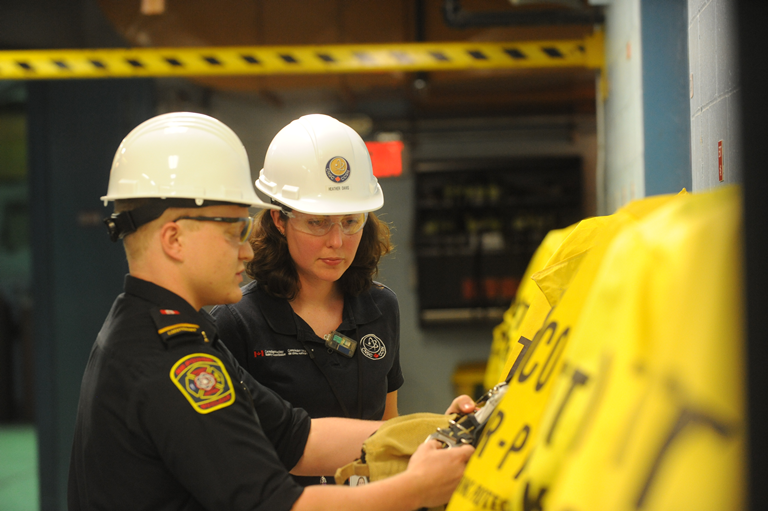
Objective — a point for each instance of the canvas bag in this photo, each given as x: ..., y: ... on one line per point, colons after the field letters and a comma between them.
x: 388, y: 450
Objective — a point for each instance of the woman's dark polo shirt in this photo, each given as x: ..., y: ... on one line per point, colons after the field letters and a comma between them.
x: 282, y: 352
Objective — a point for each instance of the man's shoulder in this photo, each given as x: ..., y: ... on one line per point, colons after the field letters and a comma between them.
x: 140, y: 325
x: 129, y: 318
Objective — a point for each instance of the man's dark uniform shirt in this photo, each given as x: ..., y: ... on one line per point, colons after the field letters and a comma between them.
x: 167, y: 419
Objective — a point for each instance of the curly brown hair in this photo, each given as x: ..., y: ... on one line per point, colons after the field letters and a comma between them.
x: 275, y: 271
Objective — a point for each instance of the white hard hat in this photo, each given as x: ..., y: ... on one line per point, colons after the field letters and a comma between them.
x: 182, y: 155
x: 319, y: 165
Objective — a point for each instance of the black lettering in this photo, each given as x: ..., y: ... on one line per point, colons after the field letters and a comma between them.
x: 525, y: 463
x: 484, y: 498
x: 474, y: 495
x: 577, y: 378
x: 526, y: 344
x: 489, y: 430
x: 533, y: 505
x: 500, y: 348
x: 477, y: 495
x: 603, y: 377
x: 687, y: 417
x: 517, y: 318
x: 556, y: 349
x: 517, y: 444
x: 639, y: 370
x: 465, y: 485
x: 551, y: 327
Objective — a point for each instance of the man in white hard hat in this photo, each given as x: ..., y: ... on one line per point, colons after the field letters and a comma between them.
x: 167, y: 419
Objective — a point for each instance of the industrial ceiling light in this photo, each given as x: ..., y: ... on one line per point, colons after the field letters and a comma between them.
x: 152, y: 7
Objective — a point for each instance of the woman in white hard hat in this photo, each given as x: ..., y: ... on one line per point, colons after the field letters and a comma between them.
x: 314, y: 326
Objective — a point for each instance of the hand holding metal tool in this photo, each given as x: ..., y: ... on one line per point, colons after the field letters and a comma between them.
x: 466, y: 428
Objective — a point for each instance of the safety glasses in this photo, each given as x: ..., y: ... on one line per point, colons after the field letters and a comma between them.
x: 319, y: 225
x: 244, y: 234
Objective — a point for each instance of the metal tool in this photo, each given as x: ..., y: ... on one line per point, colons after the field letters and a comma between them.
x: 467, y: 428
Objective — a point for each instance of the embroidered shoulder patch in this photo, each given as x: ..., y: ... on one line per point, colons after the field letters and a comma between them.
x: 204, y: 381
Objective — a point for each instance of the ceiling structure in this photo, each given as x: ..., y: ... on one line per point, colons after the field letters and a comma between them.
x: 471, y: 93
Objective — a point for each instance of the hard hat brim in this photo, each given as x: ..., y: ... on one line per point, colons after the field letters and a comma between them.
x: 323, y: 206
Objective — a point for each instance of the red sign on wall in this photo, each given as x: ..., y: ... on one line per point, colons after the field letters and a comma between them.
x: 720, y: 160
x: 386, y: 158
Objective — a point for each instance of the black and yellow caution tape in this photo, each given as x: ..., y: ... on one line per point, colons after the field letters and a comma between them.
x: 268, y: 60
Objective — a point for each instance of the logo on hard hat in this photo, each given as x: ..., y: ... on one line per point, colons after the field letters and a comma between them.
x: 337, y: 169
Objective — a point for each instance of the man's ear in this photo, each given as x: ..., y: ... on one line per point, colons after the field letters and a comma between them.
x: 171, y: 240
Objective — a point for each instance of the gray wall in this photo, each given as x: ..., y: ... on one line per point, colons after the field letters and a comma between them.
x: 430, y: 356
x: 623, y: 111
x: 716, y: 94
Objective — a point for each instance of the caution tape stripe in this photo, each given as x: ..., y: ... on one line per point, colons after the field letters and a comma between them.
x: 264, y: 60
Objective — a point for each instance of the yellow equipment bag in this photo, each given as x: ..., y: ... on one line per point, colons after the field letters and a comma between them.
x: 496, y: 470
x: 542, y: 464
x: 656, y: 420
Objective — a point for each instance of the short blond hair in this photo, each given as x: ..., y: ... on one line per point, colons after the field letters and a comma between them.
x: 137, y: 242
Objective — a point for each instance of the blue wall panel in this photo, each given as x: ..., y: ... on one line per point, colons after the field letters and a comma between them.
x: 74, y: 129
x: 666, y: 108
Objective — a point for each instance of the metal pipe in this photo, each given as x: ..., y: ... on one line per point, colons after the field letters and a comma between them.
x: 456, y: 17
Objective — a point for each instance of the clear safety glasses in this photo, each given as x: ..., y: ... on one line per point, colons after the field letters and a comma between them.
x: 319, y: 225
x: 244, y: 234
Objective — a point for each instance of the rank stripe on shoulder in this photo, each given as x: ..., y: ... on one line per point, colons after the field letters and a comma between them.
x: 185, y: 327
x: 178, y: 328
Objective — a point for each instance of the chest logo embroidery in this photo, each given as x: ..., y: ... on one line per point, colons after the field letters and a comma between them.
x: 204, y: 381
x: 373, y: 347
x: 272, y: 353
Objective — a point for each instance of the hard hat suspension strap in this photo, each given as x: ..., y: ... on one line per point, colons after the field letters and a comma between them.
x: 121, y: 224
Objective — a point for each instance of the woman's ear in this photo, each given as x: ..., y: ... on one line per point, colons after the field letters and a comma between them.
x: 279, y: 220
